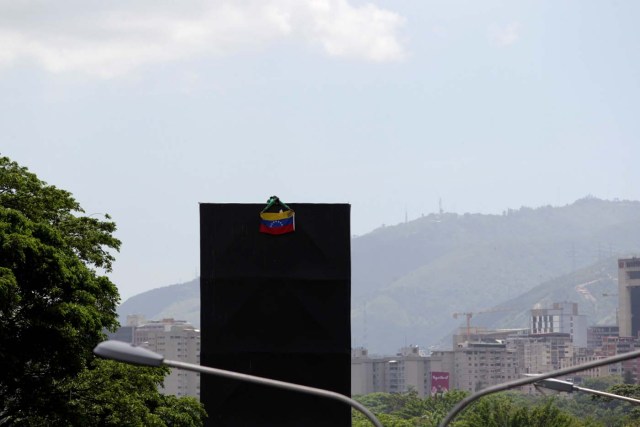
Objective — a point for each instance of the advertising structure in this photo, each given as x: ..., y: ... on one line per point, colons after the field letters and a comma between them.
x: 439, y: 382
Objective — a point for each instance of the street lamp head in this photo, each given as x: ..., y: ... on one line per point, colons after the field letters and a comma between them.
x: 557, y: 385
x: 124, y: 352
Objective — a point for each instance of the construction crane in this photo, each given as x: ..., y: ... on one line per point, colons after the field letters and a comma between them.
x: 470, y: 314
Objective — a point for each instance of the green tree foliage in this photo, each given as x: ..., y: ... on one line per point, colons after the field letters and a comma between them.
x: 629, y: 412
x: 54, y: 306
x: 438, y: 406
x: 508, y: 409
x: 407, y: 409
x: 116, y: 394
x: 628, y: 390
x: 392, y: 403
x: 601, y: 383
x: 599, y: 411
x: 502, y: 410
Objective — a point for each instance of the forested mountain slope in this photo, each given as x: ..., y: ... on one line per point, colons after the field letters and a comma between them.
x: 408, y: 279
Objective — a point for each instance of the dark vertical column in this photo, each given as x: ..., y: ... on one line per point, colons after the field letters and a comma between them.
x: 634, y: 291
x: 276, y: 307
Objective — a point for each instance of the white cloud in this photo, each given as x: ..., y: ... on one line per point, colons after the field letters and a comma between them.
x: 505, y: 36
x: 366, y: 32
x: 111, y: 38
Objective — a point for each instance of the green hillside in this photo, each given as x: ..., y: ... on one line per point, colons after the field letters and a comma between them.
x: 594, y: 288
x: 408, y: 279
x: 181, y: 301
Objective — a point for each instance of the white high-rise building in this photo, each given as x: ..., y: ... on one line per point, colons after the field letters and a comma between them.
x: 175, y: 340
x: 561, y: 318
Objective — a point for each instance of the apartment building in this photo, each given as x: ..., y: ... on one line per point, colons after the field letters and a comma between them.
x: 629, y: 296
x: 405, y: 371
x: 596, y: 335
x: 563, y: 318
x: 478, y: 365
x: 585, y: 356
x: 541, y: 352
x: 175, y: 340
x: 440, y: 372
x: 470, y: 367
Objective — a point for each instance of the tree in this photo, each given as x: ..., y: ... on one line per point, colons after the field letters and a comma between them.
x: 630, y: 411
x: 506, y: 409
x: 54, y: 307
x: 54, y: 304
x: 400, y: 409
x: 502, y: 410
x: 404, y: 405
x: 117, y: 394
x: 437, y: 407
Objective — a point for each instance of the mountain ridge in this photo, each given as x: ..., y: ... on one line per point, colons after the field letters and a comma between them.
x: 409, y: 278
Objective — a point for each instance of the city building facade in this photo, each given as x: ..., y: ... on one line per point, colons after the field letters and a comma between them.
x: 596, y: 335
x: 629, y: 296
x: 557, y: 338
x: 563, y: 318
x: 405, y: 371
x: 478, y: 365
x: 175, y: 340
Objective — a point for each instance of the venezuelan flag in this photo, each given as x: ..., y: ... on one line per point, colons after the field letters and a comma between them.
x: 277, y: 222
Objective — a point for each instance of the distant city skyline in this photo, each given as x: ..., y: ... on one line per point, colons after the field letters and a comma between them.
x: 143, y: 110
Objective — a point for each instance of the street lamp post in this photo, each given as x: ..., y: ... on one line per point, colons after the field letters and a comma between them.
x: 569, y: 387
x: 530, y: 380
x: 129, y: 353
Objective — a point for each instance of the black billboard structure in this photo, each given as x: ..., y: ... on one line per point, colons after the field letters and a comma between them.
x: 275, y: 306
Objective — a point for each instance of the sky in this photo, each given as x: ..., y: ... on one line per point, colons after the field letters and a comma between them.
x: 144, y: 109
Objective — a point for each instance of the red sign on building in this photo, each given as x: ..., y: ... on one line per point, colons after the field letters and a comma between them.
x: 439, y: 382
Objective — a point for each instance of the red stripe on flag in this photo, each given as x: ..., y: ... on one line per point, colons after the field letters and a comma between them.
x: 276, y: 230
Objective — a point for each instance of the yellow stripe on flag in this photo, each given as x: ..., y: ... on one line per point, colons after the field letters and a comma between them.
x: 274, y: 216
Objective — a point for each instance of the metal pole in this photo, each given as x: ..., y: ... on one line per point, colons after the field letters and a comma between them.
x: 274, y: 383
x: 605, y: 394
x: 569, y: 387
x: 530, y: 380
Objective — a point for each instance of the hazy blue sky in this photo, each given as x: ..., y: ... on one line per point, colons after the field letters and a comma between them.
x: 143, y: 109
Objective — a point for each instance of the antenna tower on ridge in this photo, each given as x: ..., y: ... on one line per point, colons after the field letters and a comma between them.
x: 365, y: 341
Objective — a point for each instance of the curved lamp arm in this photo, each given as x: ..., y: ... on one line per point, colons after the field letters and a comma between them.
x: 530, y: 380
x: 129, y: 353
x: 569, y: 387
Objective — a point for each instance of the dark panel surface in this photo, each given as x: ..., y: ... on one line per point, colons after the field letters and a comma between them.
x: 635, y: 310
x: 233, y: 403
x: 276, y: 315
x: 277, y: 307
